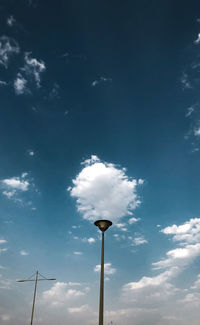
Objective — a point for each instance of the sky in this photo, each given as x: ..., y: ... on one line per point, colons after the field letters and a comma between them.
x: 100, y: 119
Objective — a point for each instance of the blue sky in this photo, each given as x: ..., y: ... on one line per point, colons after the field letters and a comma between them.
x: 100, y: 118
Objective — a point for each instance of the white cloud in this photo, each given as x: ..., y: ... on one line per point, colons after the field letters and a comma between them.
x: 196, y: 285
x: 3, y: 241
x: 197, y: 132
x: 147, y: 290
x: 104, y: 191
x: 90, y: 240
x: 139, y: 240
x: 78, y: 253
x: 62, y: 293
x: 15, y: 187
x: 100, y: 81
x: 77, y: 310
x: 133, y: 220
x: 108, y: 269
x: 185, y: 81
x: 179, y: 257
x: 190, y: 110
x: 34, y: 68
x: 197, y: 41
x: 121, y: 226
x: 3, y: 250
x: 3, y: 83
x: 16, y: 183
x: 54, y: 93
x: 24, y: 253
x: 189, y: 232
x: 140, y: 181
x: 11, y: 21
x: 31, y: 152
x: 8, y: 47
x: 29, y: 74
x: 150, y: 281
x: 20, y: 85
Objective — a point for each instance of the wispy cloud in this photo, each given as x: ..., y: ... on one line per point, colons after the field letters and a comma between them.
x: 186, y: 84
x: 133, y: 220
x: 77, y: 310
x: 31, y: 152
x: 20, y: 85
x: 8, y: 47
x: 190, y: 110
x: 3, y: 241
x: 160, y: 287
x: 137, y: 240
x: 24, y: 253
x: 90, y: 240
x: 29, y: 75
x: 14, y: 187
x: 34, y: 68
x: 197, y: 131
x: 104, y: 191
x: 197, y: 40
x: 2, y: 250
x: 11, y: 21
x: 100, y: 81
x: 3, y: 83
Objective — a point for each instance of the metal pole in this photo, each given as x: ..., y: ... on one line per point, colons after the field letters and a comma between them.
x: 101, y: 283
x: 36, y: 280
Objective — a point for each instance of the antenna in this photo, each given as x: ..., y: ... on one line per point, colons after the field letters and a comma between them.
x: 36, y: 279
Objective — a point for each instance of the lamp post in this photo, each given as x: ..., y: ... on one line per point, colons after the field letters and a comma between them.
x: 35, y: 288
x: 103, y: 226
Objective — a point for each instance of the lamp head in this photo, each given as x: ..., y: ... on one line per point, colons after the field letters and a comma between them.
x: 103, y: 224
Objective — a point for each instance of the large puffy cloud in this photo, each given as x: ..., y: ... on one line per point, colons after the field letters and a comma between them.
x: 104, y: 191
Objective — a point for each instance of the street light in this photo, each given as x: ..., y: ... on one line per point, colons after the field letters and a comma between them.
x: 34, y: 295
x: 103, y: 226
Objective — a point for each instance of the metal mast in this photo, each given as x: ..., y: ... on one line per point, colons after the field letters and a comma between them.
x: 36, y: 279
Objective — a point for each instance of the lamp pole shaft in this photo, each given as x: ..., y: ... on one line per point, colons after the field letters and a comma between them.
x: 36, y: 280
x: 101, y: 301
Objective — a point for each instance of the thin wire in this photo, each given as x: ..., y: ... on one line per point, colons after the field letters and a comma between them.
x: 42, y: 276
x: 31, y: 276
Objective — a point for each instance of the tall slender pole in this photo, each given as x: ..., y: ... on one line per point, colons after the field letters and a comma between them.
x: 33, y: 307
x: 103, y: 225
x: 101, y: 300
